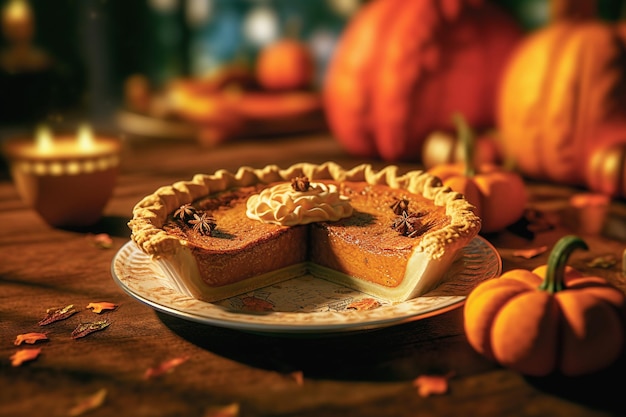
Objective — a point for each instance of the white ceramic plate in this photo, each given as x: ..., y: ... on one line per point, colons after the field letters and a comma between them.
x: 305, y: 304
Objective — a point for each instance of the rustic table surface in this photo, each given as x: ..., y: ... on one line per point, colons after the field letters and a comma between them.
x: 223, y: 370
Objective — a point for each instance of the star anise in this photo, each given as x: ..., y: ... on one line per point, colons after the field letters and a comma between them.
x: 185, y: 212
x: 202, y: 223
x: 421, y: 229
x: 301, y: 184
x: 409, y: 224
x: 400, y: 205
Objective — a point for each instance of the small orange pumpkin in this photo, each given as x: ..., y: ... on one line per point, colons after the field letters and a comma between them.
x: 606, y: 170
x: 287, y: 64
x: 550, y: 320
x: 441, y: 147
x: 498, y: 195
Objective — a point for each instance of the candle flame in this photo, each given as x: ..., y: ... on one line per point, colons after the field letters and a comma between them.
x: 85, y: 137
x: 16, y: 11
x: 43, y: 138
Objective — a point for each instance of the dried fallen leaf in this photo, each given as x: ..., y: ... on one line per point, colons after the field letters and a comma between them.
x: 231, y: 410
x: 101, y: 306
x: 56, y: 314
x: 102, y: 241
x: 432, y: 384
x: 24, y: 355
x: 30, y: 338
x: 298, y: 377
x: 530, y: 253
x: 89, y: 403
x: 364, y: 304
x: 603, y: 261
x: 165, y: 367
x: 84, y: 329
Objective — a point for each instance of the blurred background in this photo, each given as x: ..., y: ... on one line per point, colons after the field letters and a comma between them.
x: 85, y: 59
x: 93, y: 46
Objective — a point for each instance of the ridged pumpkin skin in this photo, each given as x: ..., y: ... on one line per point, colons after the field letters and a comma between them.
x: 564, y: 86
x: 498, y: 195
x: 542, y: 322
x: 402, y: 68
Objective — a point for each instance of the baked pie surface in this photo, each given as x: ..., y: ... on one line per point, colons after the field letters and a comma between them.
x: 361, y: 250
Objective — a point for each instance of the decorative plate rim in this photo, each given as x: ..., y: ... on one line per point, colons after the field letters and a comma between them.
x: 145, y: 281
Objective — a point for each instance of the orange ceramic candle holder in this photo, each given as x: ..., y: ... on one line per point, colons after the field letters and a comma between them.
x: 68, y: 180
x: 591, y: 209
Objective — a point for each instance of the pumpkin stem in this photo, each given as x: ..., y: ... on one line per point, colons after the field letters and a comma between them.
x: 555, y: 274
x: 466, y: 136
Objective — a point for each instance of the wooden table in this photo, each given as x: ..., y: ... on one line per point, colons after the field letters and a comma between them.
x: 367, y: 373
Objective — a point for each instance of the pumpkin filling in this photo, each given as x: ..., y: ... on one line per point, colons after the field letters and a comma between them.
x: 364, y: 245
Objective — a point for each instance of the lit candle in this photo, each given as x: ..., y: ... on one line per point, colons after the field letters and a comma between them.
x: 67, y: 178
x: 43, y: 139
x: 18, y: 28
x: 592, y: 209
x: 16, y: 13
x: 47, y: 147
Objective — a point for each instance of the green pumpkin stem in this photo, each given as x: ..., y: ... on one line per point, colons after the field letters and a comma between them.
x: 557, y: 261
x: 466, y: 136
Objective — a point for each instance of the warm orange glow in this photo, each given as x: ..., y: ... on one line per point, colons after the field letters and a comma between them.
x: 83, y: 144
x: 17, y: 11
x: 85, y: 138
x: 43, y: 139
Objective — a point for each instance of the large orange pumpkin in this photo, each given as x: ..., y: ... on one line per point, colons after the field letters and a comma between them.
x: 563, y: 94
x: 402, y: 68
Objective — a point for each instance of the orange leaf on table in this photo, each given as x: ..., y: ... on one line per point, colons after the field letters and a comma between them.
x: 298, y: 377
x: 230, y: 410
x: 432, y: 384
x: 89, y: 403
x: 101, y: 306
x: 165, y: 367
x: 102, y: 241
x: 30, y: 338
x: 24, y: 355
x: 530, y: 253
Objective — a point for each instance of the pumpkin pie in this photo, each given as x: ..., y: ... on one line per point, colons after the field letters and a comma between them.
x: 383, y: 233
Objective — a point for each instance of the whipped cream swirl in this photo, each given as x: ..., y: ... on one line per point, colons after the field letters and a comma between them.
x: 283, y: 205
